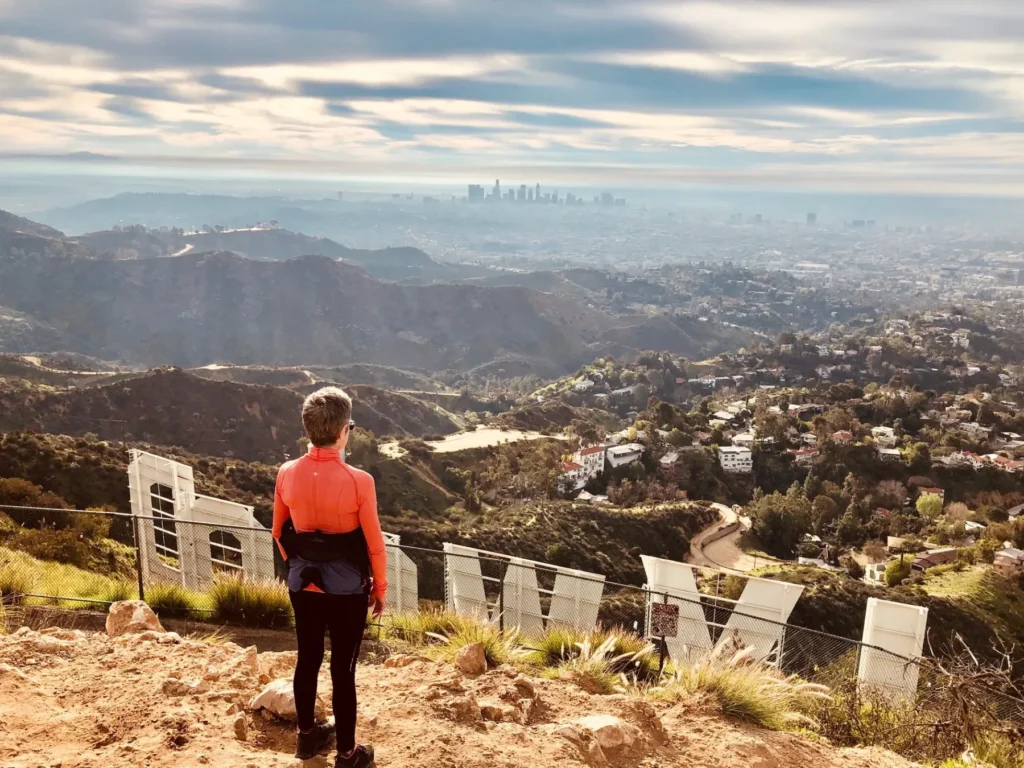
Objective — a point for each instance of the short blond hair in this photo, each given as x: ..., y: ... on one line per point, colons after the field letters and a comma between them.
x: 324, y: 414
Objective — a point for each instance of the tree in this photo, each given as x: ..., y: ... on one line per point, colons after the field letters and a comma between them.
x: 851, y: 530
x: 929, y: 506
x: 780, y: 521
x: 824, y: 513
x: 957, y: 512
x: 896, y: 572
x: 891, y: 494
x: 875, y: 551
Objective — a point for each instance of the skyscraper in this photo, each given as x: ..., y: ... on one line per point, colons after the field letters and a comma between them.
x: 497, y: 190
x: 536, y: 194
x: 522, y: 193
x: 476, y: 193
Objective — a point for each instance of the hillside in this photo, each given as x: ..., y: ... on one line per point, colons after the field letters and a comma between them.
x: 170, y: 407
x: 202, y: 308
x: 190, y: 703
x: 10, y: 221
x: 295, y: 377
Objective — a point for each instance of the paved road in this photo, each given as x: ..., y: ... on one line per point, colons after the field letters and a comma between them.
x: 725, y: 553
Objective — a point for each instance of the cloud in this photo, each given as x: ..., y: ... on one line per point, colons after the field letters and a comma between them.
x: 648, y: 85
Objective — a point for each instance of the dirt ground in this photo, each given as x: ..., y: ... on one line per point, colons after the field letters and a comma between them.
x: 78, y: 699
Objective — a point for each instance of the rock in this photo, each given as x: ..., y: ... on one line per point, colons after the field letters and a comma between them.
x: 569, y: 733
x: 276, y: 665
x: 174, y: 687
x: 404, y: 660
x: 525, y: 688
x: 7, y: 672
x: 609, y: 732
x: 496, y: 713
x: 277, y: 699
x: 465, y: 710
x: 130, y: 617
x: 241, y: 726
x: 471, y: 659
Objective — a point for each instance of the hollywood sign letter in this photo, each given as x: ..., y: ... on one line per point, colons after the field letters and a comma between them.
x: 757, y: 621
x: 575, y: 598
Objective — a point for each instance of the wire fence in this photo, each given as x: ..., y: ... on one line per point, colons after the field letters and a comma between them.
x: 235, y: 575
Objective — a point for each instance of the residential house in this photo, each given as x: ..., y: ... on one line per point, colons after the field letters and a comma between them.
x: 591, y: 459
x: 842, y: 437
x: 975, y: 431
x: 619, y: 455
x: 874, y: 573
x: 669, y: 460
x: 884, y: 436
x: 583, y: 385
x: 804, y: 456
x: 736, y: 459
x: 890, y: 454
x: 927, y: 560
x: 940, y: 492
x: 1009, y: 562
x: 724, y: 416
x: 965, y: 459
x: 572, y: 476
x: 962, y: 338
x: 809, y: 438
x: 744, y: 439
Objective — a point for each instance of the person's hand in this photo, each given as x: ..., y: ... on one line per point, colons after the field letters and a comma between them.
x: 377, y: 603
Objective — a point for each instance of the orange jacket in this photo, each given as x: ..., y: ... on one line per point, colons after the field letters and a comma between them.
x: 320, y: 492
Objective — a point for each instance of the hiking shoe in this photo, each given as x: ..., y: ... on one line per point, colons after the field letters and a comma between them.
x: 361, y: 758
x: 316, y: 742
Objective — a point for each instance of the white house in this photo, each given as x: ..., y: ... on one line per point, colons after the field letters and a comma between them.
x: 737, y: 459
x: 804, y: 456
x: 583, y: 385
x: 572, y: 476
x: 744, y: 439
x: 618, y: 455
x: 669, y: 460
x: 890, y: 454
x: 884, y: 436
x: 874, y: 573
x: 975, y: 430
x: 591, y: 459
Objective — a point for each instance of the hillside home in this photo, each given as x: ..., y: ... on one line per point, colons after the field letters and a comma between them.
x: 890, y: 454
x: 736, y: 459
x: 804, y: 456
x: 572, y: 476
x: 927, y: 560
x: 884, y: 436
x: 1009, y: 563
x: 975, y: 431
x: 583, y: 385
x: 874, y: 573
x: 940, y: 492
x: 669, y: 460
x: 591, y: 459
x: 619, y: 455
x: 744, y: 439
x: 842, y: 437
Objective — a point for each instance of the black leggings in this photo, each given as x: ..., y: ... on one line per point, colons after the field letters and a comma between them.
x: 344, y: 616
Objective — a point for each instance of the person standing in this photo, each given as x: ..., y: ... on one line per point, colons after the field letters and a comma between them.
x: 326, y: 526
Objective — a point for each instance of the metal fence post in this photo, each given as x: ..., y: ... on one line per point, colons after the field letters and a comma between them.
x: 138, y: 556
x: 501, y: 595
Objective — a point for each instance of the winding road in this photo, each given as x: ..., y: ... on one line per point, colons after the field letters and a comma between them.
x: 712, y: 548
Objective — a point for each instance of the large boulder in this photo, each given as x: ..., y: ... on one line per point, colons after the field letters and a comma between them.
x: 278, y: 699
x: 608, y: 731
x: 471, y: 659
x: 131, y: 616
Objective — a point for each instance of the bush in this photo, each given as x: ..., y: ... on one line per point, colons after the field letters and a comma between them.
x: 171, y: 601
x: 62, y: 546
x: 14, y: 583
x: 751, y: 691
x: 256, y: 603
x: 897, y: 571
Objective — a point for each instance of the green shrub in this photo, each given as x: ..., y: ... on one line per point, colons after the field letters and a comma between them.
x: 60, y: 545
x: 117, y: 591
x: 897, y: 571
x: 254, y: 603
x: 14, y: 583
x: 171, y: 601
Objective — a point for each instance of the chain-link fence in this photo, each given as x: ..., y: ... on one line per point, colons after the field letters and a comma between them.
x: 235, y: 575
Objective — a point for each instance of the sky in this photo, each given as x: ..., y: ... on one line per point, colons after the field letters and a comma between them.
x: 834, y: 95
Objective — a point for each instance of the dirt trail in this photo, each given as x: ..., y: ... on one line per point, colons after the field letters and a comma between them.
x: 81, y: 700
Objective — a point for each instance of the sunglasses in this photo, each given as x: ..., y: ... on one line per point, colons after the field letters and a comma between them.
x: 351, y: 423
